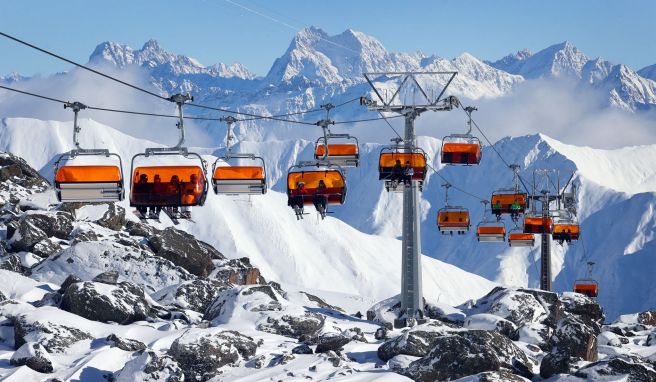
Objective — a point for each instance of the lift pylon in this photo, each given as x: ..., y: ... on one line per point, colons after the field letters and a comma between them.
x: 412, y: 306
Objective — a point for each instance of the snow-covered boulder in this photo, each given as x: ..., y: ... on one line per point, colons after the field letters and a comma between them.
x: 202, y: 352
x: 185, y: 250
x: 573, y: 340
x: 150, y: 366
x: 486, y: 321
x: 109, y: 277
x: 237, y: 272
x: 46, y: 247
x: 296, y: 326
x: 416, y: 342
x: 33, y: 356
x: 12, y: 263
x: 126, y: 344
x: 624, y: 367
x: 493, y: 376
x: 331, y: 341
x: 123, y: 303
x: 16, y: 170
x: 108, y: 215
x: 466, y: 353
x: 516, y: 305
x: 196, y: 295
x: 55, y: 338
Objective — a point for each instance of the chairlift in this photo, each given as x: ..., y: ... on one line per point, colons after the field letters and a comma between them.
x: 537, y: 224
x: 510, y: 201
x: 566, y: 231
x: 97, y: 182
x: 520, y: 239
x: 231, y: 177
x: 169, y: 187
x: 488, y: 230
x: 452, y: 219
x: 315, y: 183
x: 587, y: 286
x: 393, y: 161
x: 462, y: 149
x: 339, y: 149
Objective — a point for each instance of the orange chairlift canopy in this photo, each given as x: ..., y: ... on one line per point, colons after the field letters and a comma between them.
x: 566, y: 231
x: 168, y: 186
x: 520, y: 239
x: 387, y: 161
x: 337, y: 150
x: 88, y: 174
x: 88, y: 183
x: 538, y: 224
x: 587, y: 287
x: 461, y: 149
x: 333, y: 179
x: 451, y: 219
x: 490, y: 232
x: 508, y: 201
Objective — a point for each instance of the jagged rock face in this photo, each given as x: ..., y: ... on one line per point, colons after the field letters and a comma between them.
x: 201, y: 354
x: 33, y: 356
x: 647, y: 318
x: 196, y: 295
x: 150, y: 366
x: 18, y: 171
x: 586, y: 309
x: 416, y: 342
x: 633, y: 368
x: 53, y: 337
x: 184, y: 250
x: 124, y: 303
x: 331, y: 341
x: 238, y: 272
x: 466, y: 353
x: 307, y: 324
x: 573, y: 340
x: 126, y: 344
x: 12, y: 263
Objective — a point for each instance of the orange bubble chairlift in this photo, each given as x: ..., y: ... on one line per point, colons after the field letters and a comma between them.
x: 341, y: 154
x: 393, y: 160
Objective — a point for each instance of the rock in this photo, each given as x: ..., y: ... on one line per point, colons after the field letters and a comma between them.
x: 302, y: 349
x: 196, y: 295
x: 150, y: 366
x: 113, y: 218
x: 324, y: 305
x: 647, y: 318
x: 416, y: 342
x: 109, y: 277
x: 201, y: 354
x: 490, y: 322
x: 11, y: 228
x: 587, y: 309
x: 33, y: 356
x: 651, y: 338
x: 49, y: 299
x: 26, y: 236
x: 252, y: 298
x: 184, y: 250
x: 54, y: 338
x: 70, y: 280
x: 237, y: 272
x: 381, y: 334
x: 625, y: 367
x: 140, y: 229
x: 54, y: 223
x: 466, y: 353
x: 535, y: 334
x: 519, y: 306
x: 331, y: 341
x: 608, y: 338
x: 46, y: 248
x: 572, y: 341
x: 12, y: 263
x: 124, y: 303
x: 493, y: 376
x: 125, y: 343
x: 27, y: 177
x: 80, y: 235
x: 2, y: 297
x: 294, y: 326
x: 452, y: 316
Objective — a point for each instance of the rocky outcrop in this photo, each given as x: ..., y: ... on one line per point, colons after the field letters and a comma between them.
x: 46, y: 247
x: 466, y: 353
x: 238, y: 272
x: 624, y: 367
x: 184, y: 250
x: 196, y: 295
x: 572, y: 341
x: 416, y: 342
x: 33, y: 356
x: 647, y: 318
x: 126, y: 344
x: 54, y: 338
x: 36, y: 226
x: 16, y: 170
x: 123, y: 303
x: 331, y: 341
x: 201, y: 354
x: 252, y: 298
x: 294, y: 326
x: 109, y: 277
x: 12, y: 263
x: 150, y: 366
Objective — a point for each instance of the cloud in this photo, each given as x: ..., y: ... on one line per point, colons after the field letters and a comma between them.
x: 93, y: 90
x: 561, y: 109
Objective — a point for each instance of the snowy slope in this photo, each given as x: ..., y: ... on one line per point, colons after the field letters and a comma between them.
x: 357, y: 246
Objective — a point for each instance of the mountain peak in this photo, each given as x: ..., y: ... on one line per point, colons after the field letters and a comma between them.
x: 648, y: 72
x: 151, y: 44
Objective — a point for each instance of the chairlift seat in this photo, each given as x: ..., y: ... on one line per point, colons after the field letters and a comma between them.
x: 566, y: 231
x: 341, y: 154
x: 89, y: 184
x: 453, y: 219
x: 335, y: 190
x: 518, y: 239
x: 387, y: 160
x: 168, y: 192
x: 491, y: 233
x: 540, y: 225
x: 459, y: 149
x: 249, y: 180
x: 502, y: 202
x: 587, y: 287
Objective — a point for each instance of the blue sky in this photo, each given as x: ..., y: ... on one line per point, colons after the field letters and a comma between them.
x: 225, y: 31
